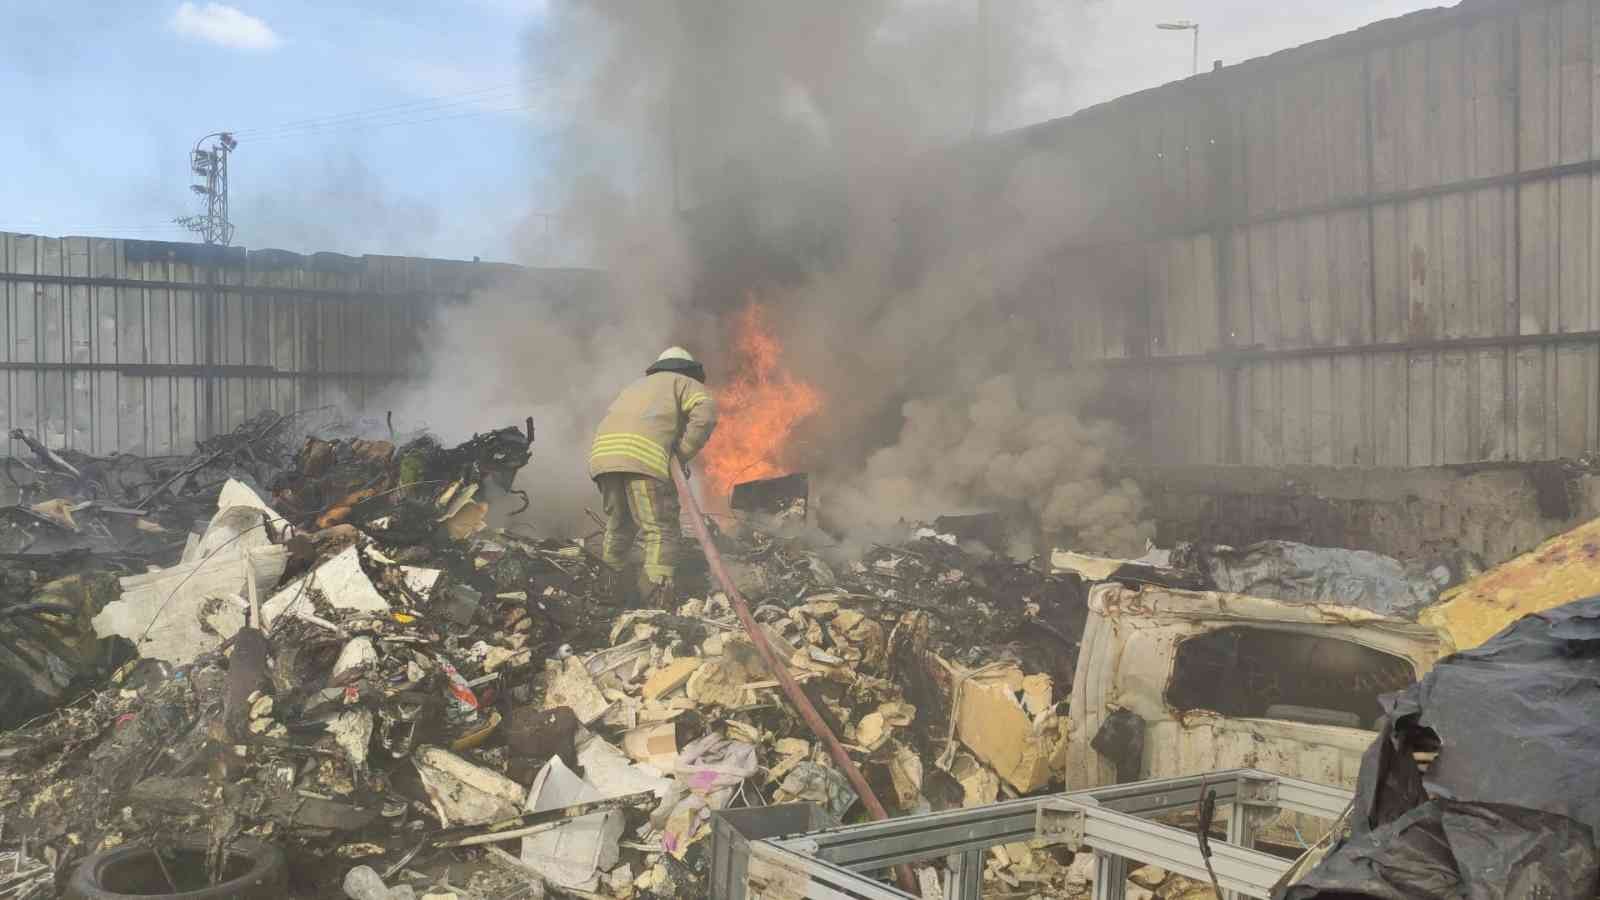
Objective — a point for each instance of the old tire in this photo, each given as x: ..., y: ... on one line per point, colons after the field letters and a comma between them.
x: 255, y: 871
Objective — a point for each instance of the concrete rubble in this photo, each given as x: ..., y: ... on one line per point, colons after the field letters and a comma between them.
x: 359, y: 656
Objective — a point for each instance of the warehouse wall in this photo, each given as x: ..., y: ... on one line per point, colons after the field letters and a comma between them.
x: 1379, y: 249
x: 145, y: 347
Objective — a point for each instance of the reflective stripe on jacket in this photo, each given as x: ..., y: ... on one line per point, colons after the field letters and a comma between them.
x: 662, y: 415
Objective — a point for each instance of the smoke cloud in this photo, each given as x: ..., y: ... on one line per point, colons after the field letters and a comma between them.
x: 815, y: 157
x: 368, y: 216
x: 1005, y: 444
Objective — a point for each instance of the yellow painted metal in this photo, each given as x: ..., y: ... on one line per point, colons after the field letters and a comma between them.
x: 1562, y: 569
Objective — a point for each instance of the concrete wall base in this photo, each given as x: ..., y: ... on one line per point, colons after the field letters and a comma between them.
x: 1495, y: 510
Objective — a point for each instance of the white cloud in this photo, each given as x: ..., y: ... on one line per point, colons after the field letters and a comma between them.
x: 224, y: 26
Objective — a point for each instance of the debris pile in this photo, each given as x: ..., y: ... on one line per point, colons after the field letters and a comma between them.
x: 336, y: 645
x: 321, y: 643
x: 329, y: 607
x: 76, y: 522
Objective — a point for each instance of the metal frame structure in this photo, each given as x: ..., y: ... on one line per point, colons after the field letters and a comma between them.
x: 1114, y: 823
x: 212, y: 165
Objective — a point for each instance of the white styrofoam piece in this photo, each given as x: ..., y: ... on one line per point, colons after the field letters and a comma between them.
x: 160, y: 611
x: 236, y: 493
x: 340, y: 581
x: 357, y: 652
x: 575, y: 854
x: 420, y: 580
x: 614, y: 774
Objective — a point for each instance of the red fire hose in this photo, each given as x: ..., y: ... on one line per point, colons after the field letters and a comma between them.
x: 780, y: 669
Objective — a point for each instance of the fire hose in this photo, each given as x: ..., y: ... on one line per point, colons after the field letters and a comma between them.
x: 780, y: 669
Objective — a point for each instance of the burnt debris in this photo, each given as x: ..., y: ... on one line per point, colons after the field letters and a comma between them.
x: 338, y: 643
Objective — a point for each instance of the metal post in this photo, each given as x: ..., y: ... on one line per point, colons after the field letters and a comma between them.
x: 966, y: 876
x: 213, y: 225
x: 1186, y: 25
x: 1241, y: 833
x: 1110, y: 876
x: 980, y: 120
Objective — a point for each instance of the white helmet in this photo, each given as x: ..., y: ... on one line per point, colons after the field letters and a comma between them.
x: 677, y: 359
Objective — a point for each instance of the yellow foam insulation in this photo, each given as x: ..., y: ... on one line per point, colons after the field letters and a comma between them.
x: 1562, y: 569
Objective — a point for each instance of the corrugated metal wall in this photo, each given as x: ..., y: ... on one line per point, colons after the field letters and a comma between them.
x: 144, y: 347
x: 1382, y: 249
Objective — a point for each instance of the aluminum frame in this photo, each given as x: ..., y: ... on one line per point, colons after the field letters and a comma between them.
x: 1114, y: 823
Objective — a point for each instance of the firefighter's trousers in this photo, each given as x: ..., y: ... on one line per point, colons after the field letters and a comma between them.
x: 646, y: 508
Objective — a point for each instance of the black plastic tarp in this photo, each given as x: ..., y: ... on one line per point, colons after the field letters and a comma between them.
x: 1511, y: 805
x: 48, y: 647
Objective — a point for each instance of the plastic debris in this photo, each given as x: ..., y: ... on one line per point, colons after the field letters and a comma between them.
x: 463, y: 793
x: 819, y: 784
x: 574, y: 855
x: 362, y: 883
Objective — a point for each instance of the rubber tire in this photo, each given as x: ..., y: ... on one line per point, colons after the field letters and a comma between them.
x: 267, y: 878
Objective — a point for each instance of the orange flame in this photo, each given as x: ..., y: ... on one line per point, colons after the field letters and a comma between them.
x: 758, y: 408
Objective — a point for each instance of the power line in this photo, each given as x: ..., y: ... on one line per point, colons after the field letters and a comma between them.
x: 373, y: 126
x: 424, y: 105
x: 392, y: 111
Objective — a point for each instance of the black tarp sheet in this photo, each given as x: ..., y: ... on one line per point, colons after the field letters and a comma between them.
x: 1511, y: 805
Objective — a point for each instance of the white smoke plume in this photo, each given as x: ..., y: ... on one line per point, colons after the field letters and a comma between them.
x: 552, y: 347
x: 817, y: 157
x: 996, y: 446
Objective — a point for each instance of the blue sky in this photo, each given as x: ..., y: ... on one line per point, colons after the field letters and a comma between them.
x: 104, y: 100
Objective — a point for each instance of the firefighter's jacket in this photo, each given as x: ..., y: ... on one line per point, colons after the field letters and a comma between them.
x: 662, y: 415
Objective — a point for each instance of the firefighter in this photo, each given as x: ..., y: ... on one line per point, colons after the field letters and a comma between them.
x: 662, y: 419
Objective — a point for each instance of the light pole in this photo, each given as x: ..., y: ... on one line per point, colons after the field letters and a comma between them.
x: 980, y: 119
x: 212, y: 225
x: 1186, y: 25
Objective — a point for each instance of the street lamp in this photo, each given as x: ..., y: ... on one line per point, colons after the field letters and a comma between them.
x: 1186, y: 25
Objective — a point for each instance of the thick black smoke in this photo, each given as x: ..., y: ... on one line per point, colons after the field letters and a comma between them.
x: 819, y: 158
